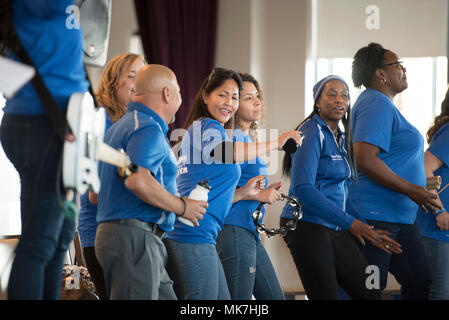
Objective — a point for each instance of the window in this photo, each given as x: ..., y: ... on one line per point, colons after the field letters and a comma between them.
x: 420, y: 102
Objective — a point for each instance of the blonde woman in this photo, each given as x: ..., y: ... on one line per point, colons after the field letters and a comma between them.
x: 115, y: 90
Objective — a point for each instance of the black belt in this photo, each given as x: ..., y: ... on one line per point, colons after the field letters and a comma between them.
x: 136, y: 223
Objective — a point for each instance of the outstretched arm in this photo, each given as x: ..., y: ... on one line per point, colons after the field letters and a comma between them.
x: 247, y: 151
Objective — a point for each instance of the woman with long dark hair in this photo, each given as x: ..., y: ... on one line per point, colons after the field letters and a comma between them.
x: 246, y: 264
x: 324, y: 244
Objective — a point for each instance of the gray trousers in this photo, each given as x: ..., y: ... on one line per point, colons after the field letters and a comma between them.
x: 133, y: 262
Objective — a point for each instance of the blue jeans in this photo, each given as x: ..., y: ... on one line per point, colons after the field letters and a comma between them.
x: 247, y: 266
x: 438, y: 256
x: 410, y: 268
x: 34, y: 150
x: 198, y: 271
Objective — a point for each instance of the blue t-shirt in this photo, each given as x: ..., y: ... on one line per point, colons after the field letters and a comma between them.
x: 439, y: 147
x: 87, y: 218
x: 378, y: 122
x: 142, y: 134
x: 196, y: 164
x: 241, y: 212
x: 320, y: 175
x: 56, y: 51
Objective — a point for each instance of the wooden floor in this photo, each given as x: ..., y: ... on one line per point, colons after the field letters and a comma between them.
x: 386, y: 295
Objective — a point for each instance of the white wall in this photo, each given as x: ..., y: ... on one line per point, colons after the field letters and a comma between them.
x: 411, y: 28
x: 10, y: 223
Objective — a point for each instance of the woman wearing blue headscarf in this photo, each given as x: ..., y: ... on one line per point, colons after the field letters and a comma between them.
x: 324, y: 245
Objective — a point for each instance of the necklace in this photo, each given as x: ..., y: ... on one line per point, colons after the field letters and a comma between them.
x: 336, y: 133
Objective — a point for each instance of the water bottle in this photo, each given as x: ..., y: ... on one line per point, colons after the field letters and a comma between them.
x: 200, y: 192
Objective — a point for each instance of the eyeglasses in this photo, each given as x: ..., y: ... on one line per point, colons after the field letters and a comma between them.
x: 393, y: 64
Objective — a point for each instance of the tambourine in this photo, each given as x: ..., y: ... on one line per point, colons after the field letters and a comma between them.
x: 290, y: 225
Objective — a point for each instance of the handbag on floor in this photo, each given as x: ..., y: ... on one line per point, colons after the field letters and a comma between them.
x: 76, y: 284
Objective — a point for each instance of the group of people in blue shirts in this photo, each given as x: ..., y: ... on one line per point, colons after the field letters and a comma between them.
x: 373, y: 175
x: 128, y: 242
x: 223, y: 258
x: 360, y: 174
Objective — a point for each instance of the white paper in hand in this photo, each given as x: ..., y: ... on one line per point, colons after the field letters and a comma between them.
x: 13, y: 75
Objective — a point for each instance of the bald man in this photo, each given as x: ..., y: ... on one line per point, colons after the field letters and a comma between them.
x: 134, y: 215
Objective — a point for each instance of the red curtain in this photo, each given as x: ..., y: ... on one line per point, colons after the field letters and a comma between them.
x: 180, y: 34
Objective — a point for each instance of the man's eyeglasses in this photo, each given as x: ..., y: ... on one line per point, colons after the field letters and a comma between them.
x: 393, y: 64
